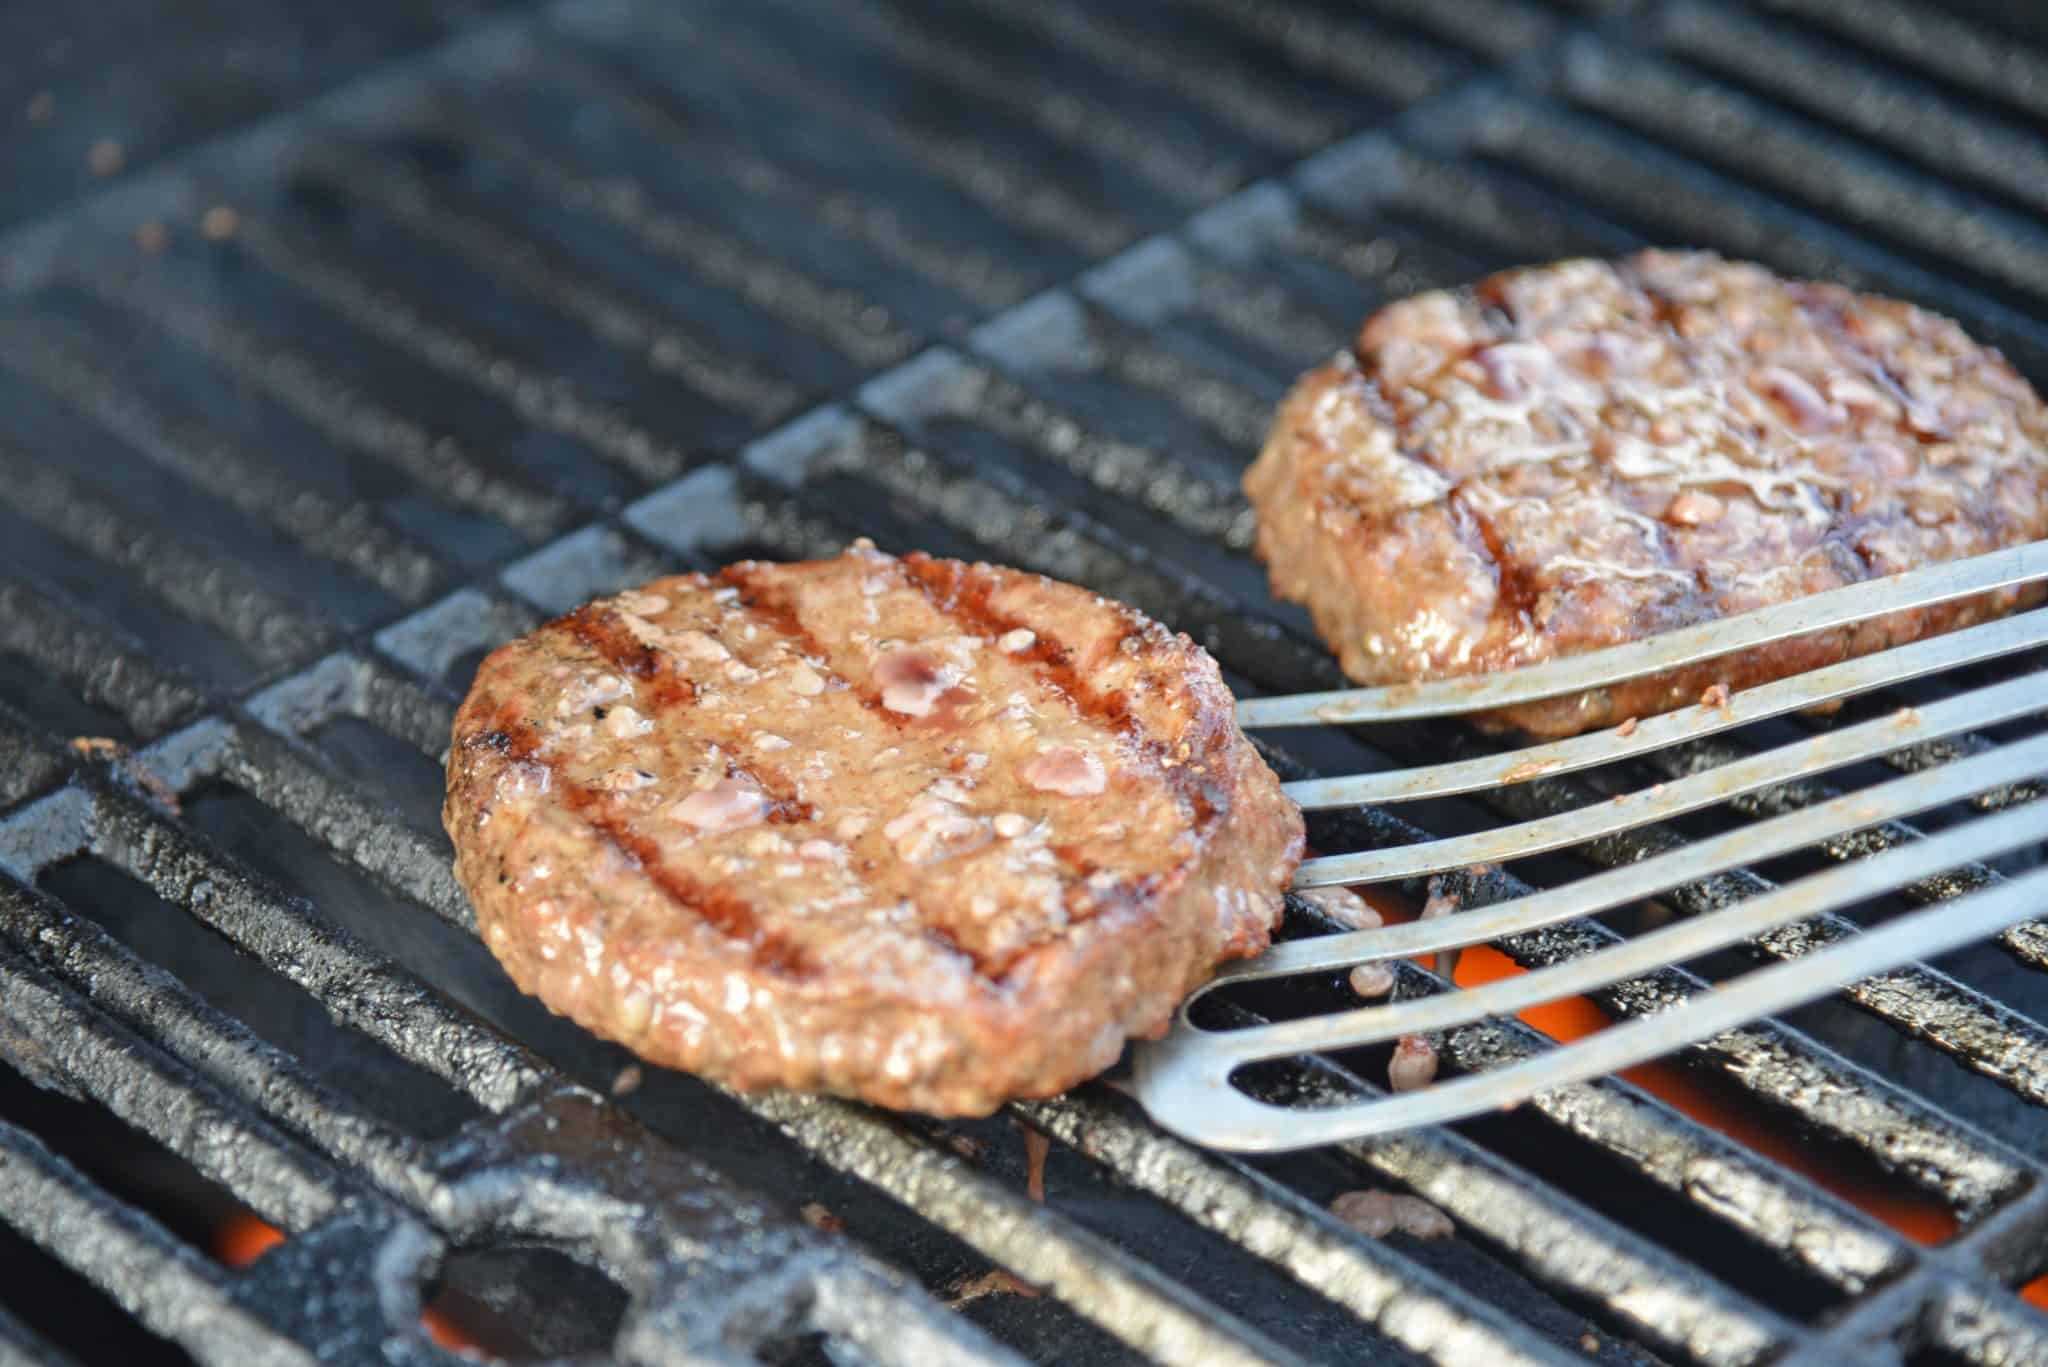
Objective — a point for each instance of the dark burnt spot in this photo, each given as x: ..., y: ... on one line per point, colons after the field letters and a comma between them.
x: 790, y: 812
x: 1072, y: 859
x: 947, y: 940
x: 497, y: 741
x: 599, y: 712
x: 913, y: 667
x: 1517, y: 593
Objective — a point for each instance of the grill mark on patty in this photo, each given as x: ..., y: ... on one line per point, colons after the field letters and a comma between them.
x: 957, y: 594
x: 942, y: 584
x: 1830, y: 316
x: 718, y: 907
x: 1382, y: 408
x: 772, y: 605
x: 600, y: 629
x: 1517, y: 595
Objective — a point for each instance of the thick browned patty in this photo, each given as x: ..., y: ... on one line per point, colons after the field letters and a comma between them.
x: 926, y: 833
x: 1576, y: 455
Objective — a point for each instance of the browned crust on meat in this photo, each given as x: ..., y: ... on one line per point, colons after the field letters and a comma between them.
x: 865, y: 926
x: 1577, y: 455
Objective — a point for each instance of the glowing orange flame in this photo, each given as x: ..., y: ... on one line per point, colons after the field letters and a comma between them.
x: 245, y: 1238
x: 1913, y: 1213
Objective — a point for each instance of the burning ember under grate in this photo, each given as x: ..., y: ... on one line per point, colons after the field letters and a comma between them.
x: 297, y: 422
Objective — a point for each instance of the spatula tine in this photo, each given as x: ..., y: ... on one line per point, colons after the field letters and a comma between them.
x: 1600, y: 668
x: 1840, y: 887
x: 1980, y: 707
x: 1971, y: 646
x: 1184, y: 1080
x: 1618, y: 887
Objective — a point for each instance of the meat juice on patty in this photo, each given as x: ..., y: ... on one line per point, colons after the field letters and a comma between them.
x: 926, y: 833
x: 1576, y: 455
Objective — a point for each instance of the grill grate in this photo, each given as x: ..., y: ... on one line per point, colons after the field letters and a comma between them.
x: 613, y: 286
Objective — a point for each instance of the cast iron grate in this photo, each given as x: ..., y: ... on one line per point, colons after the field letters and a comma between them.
x: 297, y: 424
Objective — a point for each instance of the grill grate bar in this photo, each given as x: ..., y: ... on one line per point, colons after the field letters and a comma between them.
x: 1260, y: 1214
x: 1181, y: 168
x: 196, y: 583
x: 261, y: 1077
x: 431, y: 641
x: 28, y: 761
x: 1159, y: 283
x: 161, y: 1098
x: 360, y: 989
x: 1713, y: 1323
x: 1371, y: 59
x: 1009, y: 194
x: 58, y: 356
x: 1721, y: 125
x: 943, y: 387
x: 663, y: 344
x: 1825, y: 83
x: 980, y: 278
x: 1979, y: 1328
x: 856, y: 327
x: 171, y: 1289
x: 354, y: 421
x: 101, y: 668
x: 1115, y: 1290
x: 1949, y: 47
x: 1228, y: 416
x: 555, y: 405
x: 1270, y: 111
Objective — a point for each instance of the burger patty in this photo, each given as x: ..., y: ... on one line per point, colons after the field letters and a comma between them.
x: 921, y: 832
x: 1575, y: 455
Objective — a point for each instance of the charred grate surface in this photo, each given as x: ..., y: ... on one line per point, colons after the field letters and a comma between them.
x: 328, y: 382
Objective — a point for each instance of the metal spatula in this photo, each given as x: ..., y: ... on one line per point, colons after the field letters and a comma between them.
x: 1184, y: 1080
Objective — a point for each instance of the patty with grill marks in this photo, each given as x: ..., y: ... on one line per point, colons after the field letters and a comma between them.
x: 1572, y: 456
x: 930, y: 834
